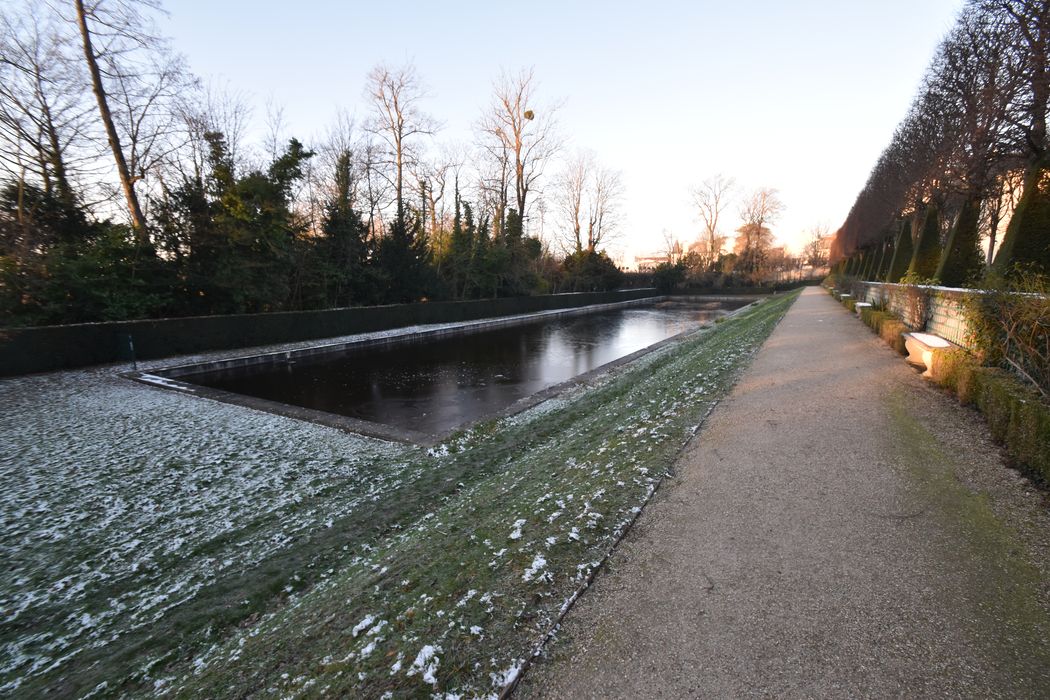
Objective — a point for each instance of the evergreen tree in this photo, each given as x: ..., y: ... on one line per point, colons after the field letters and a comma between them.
x: 403, y: 262
x: 867, y: 263
x: 885, y: 250
x: 961, y: 261
x: 928, y: 248
x: 590, y: 271
x: 902, y: 254
x: 460, y: 274
x: 1027, y: 240
x: 341, y: 252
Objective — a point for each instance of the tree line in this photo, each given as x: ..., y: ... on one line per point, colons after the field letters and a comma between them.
x: 129, y: 188
x: 750, y: 258
x: 961, y: 195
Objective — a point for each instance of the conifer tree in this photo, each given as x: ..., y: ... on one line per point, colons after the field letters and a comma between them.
x: 961, y: 261
x: 902, y: 254
x: 885, y: 251
x: 1027, y: 240
x: 928, y: 248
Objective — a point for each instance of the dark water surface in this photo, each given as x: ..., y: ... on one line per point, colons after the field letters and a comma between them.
x: 440, y: 384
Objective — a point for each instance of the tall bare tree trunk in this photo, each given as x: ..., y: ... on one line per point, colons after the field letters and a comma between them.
x: 126, y: 180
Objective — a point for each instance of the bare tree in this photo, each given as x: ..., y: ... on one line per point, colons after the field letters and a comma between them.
x: 376, y: 185
x: 148, y: 109
x: 138, y: 85
x: 1028, y: 23
x: 519, y: 133
x: 815, y: 252
x: 712, y: 198
x: 672, y: 247
x: 275, y: 138
x: 116, y: 25
x: 588, y: 202
x: 760, y: 209
x: 603, y: 213
x: 572, y: 188
x: 44, y: 113
x: 395, y: 95
x: 228, y: 112
x: 433, y: 177
x: 493, y: 180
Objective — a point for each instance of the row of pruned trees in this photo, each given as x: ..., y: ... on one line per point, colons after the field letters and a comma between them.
x: 963, y: 185
x: 130, y: 188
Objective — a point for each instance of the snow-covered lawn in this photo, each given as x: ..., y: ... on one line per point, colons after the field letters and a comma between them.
x: 157, y: 542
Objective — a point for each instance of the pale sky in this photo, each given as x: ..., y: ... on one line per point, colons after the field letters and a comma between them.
x: 801, y: 96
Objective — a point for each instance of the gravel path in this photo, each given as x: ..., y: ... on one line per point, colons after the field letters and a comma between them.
x: 838, y: 528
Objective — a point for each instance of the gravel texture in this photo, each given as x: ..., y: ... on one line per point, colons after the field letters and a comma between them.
x: 839, y: 528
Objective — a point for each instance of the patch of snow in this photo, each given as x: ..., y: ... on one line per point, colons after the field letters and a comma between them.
x: 538, y: 564
x: 466, y: 598
x: 506, y: 677
x: 363, y: 624
x: 426, y: 663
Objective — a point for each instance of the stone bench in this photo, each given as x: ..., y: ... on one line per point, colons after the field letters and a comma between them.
x: 921, y: 348
x: 860, y: 306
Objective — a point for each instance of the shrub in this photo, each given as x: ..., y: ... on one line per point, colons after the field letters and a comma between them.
x: 667, y: 277
x: 1017, y: 418
x: 589, y: 271
x: 954, y: 369
x: 1010, y: 327
x: 891, y: 333
x: 1015, y: 414
x: 850, y: 303
x: 875, y: 318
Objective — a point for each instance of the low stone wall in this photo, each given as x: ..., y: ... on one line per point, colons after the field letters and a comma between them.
x: 45, y: 348
x: 937, y: 310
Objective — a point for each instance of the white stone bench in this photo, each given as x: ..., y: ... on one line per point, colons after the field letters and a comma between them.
x: 921, y: 348
x: 860, y: 306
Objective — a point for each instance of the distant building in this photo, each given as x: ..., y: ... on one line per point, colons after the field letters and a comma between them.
x: 648, y: 263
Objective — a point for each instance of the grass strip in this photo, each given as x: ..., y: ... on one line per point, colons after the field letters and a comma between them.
x: 453, y: 603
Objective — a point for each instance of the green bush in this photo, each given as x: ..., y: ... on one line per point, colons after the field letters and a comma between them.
x: 955, y: 370
x: 589, y: 271
x: 1017, y: 418
x: 875, y: 318
x: 891, y: 332
x: 1010, y: 325
x: 1016, y: 415
x: 850, y: 303
x: 667, y: 277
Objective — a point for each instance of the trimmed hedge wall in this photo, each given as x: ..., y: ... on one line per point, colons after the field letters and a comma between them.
x: 1016, y: 415
x: 887, y: 326
x: 26, y: 350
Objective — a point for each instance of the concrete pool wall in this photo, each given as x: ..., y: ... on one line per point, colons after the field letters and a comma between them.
x: 46, y: 348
